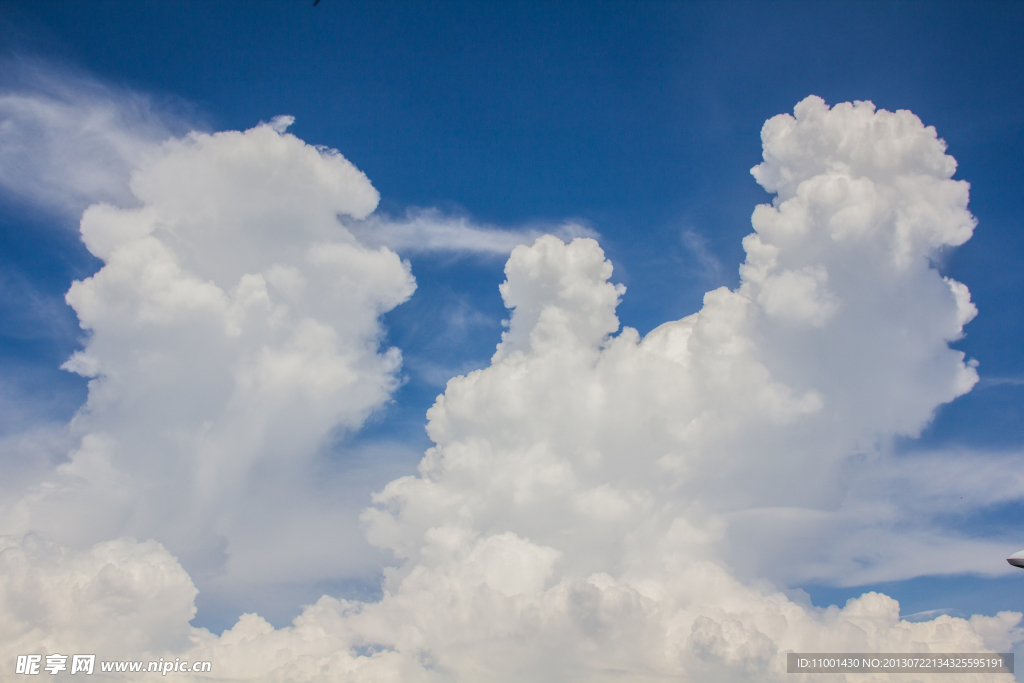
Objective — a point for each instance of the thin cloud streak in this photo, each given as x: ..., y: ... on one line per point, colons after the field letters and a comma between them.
x: 429, y: 230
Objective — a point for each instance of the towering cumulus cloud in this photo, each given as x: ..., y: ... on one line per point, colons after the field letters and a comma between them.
x: 597, y: 505
x: 233, y: 328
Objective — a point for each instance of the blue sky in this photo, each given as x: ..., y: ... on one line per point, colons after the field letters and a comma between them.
x: 638, y: 121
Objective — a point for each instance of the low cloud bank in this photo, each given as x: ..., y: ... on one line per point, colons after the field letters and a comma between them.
x: 597, y: 505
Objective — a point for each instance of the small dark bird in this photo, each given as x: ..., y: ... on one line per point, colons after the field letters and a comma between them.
x: 316, y: 2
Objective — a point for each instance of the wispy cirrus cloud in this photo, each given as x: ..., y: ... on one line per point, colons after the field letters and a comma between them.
x: 68, y: 140
x: 429, y: 230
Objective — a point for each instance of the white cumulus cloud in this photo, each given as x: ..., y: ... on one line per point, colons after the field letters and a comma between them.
x: 232, y: 330
x: 597, y: 506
